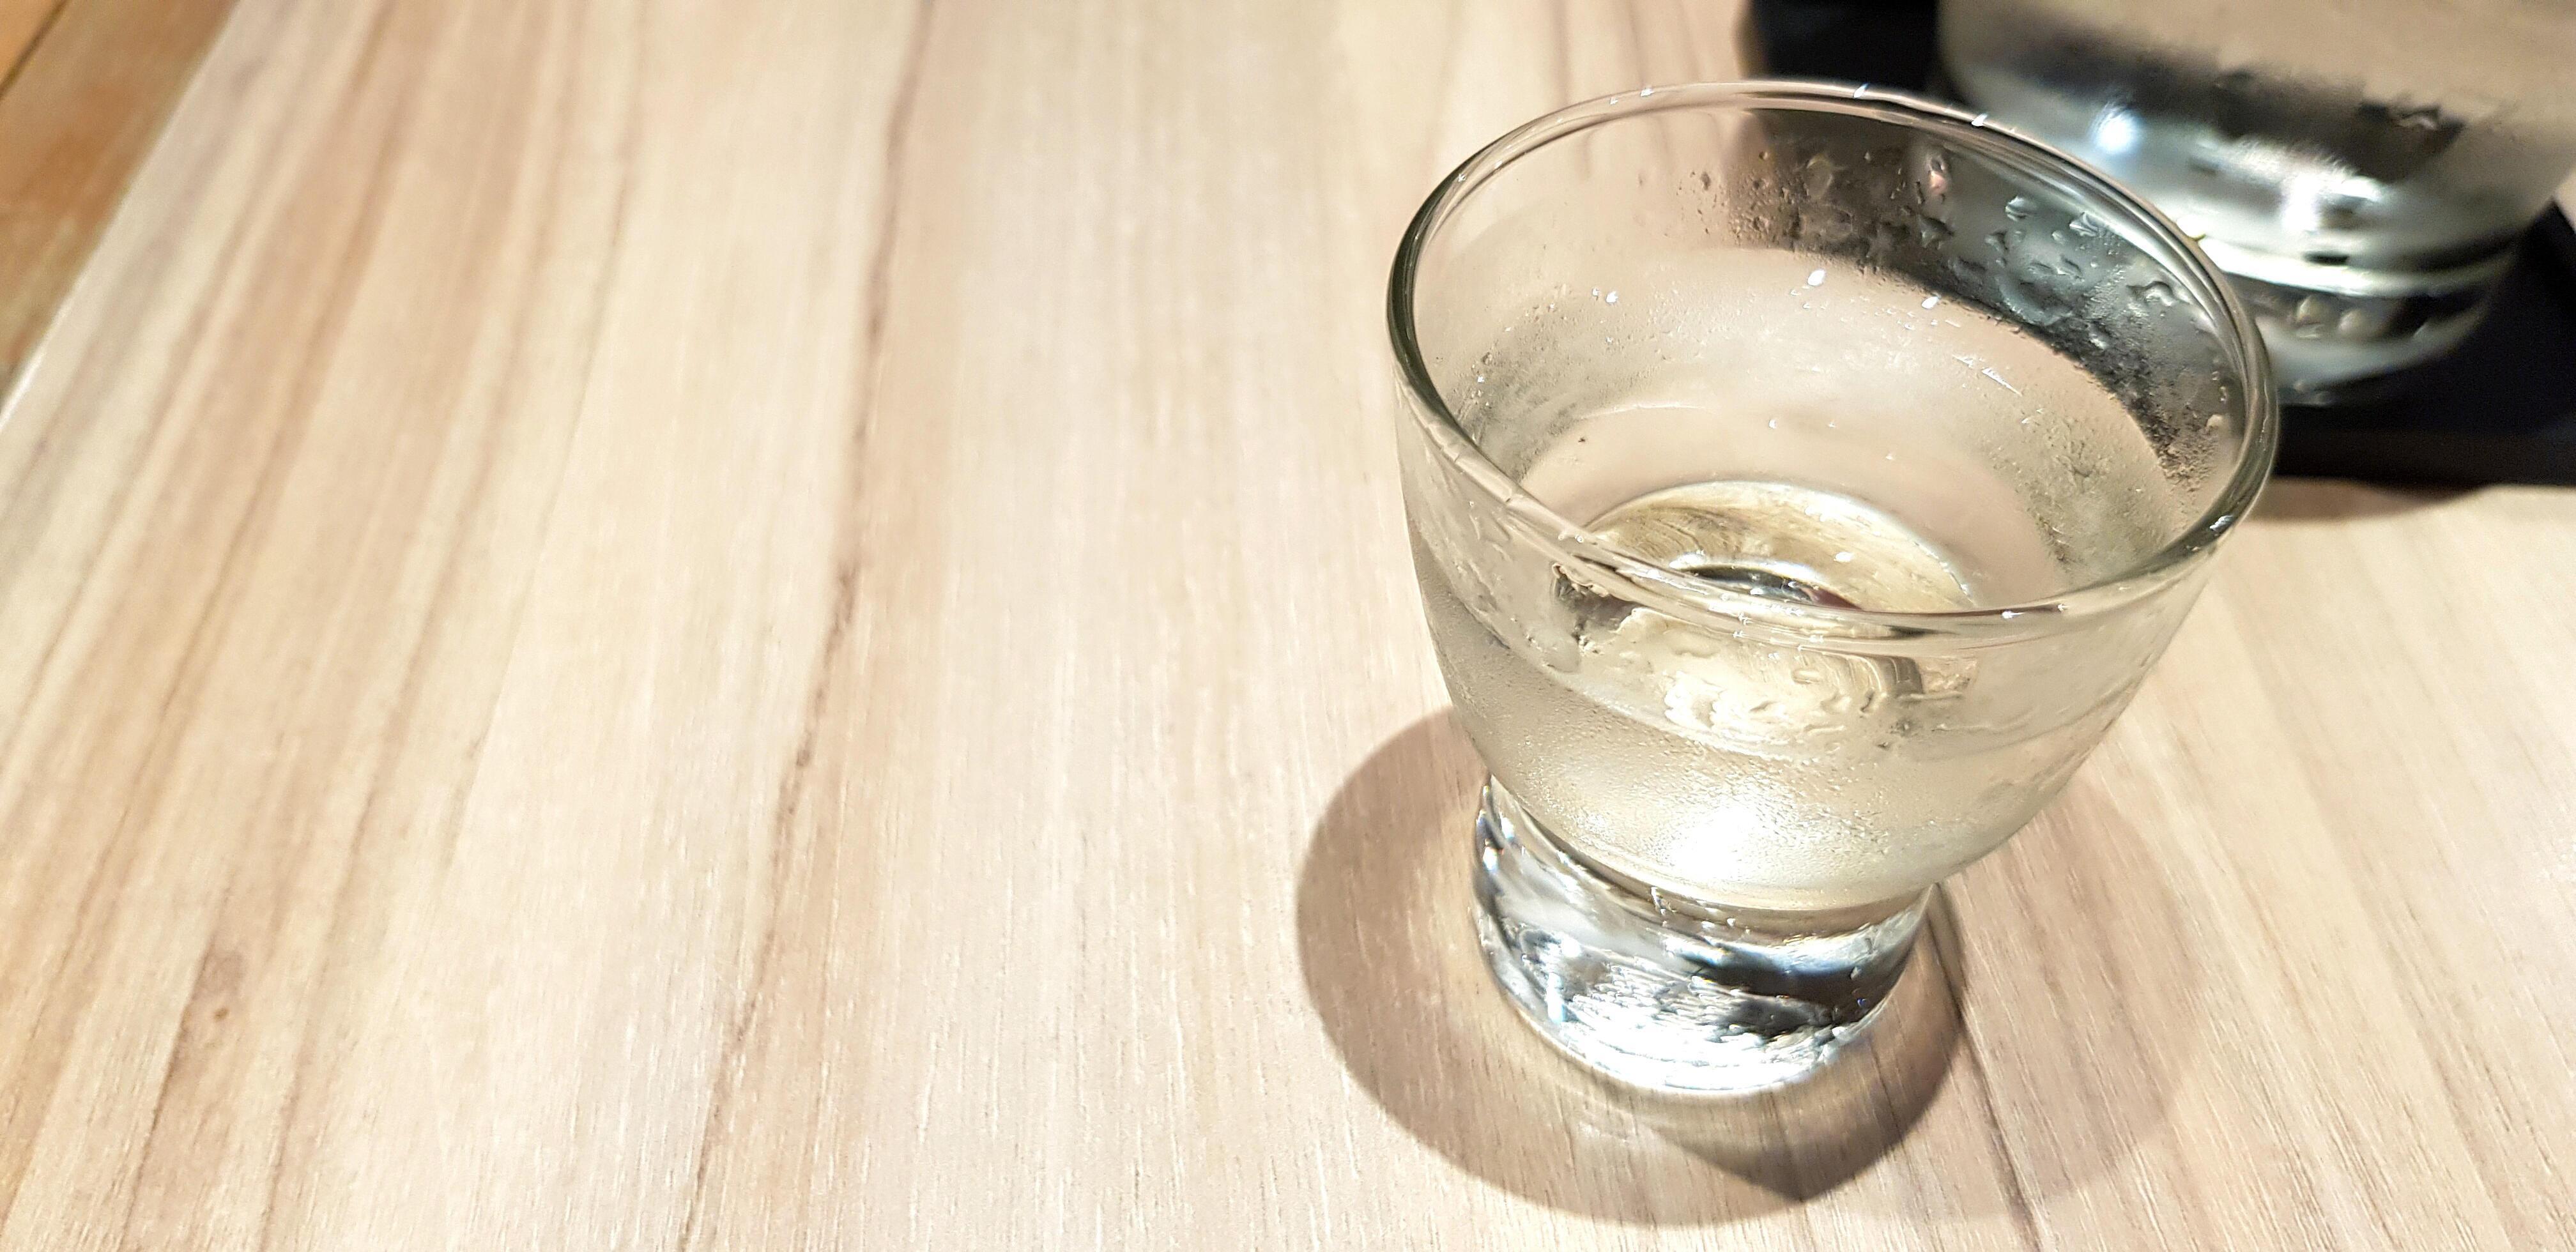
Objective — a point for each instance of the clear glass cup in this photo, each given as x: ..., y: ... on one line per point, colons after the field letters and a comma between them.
x: 1801, y: 478
x: 2362, y: 167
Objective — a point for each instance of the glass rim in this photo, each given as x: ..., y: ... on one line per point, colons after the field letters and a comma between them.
x: 1691, y: 596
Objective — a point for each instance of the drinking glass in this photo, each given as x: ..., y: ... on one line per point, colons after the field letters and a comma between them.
x: 2362, y: 167
x: 1801, y: 478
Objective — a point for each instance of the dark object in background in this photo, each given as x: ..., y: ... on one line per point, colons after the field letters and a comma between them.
x: 2500, y: 409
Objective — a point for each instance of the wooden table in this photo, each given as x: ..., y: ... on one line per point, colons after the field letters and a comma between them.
x: 785, y: 624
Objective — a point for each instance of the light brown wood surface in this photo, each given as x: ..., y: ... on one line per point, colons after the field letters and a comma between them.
x: 86, y: 86
x: 786, y: 624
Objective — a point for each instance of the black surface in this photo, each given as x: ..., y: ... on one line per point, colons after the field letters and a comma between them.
x: 2500, y: 409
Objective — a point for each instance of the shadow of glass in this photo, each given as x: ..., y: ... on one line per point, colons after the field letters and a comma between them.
x: 1389, y: 952
x: 2091, y: 998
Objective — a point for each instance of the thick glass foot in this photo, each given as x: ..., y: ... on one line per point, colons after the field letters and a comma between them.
x: 1667, y: 994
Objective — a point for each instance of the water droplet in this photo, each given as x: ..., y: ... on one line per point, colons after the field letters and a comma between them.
x: 2087, y: 225
x: 1815, y: 278
x: 1845, y: 557
x: 2159, y: 293
x: 2423, y: 117
x: 2310, y: 317
x: 1931, y: 302
x: 2216, y: 420
x: 1612, y: 298
x: 2019, y: 208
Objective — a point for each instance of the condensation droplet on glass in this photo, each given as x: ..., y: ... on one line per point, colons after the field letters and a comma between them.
x: 1815, y: 278
x: 1931, y: 302
x: 1612, y: 298
x: 2217, y: 420
x: 2019, y: 208
x: 1843, y: 557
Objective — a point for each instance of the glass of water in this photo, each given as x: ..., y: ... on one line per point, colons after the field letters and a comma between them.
x: 2362, y: 167
x: 1801, y: 478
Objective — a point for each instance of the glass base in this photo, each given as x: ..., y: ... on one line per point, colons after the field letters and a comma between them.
x: 2332, y: 345
x: 1674, y: 995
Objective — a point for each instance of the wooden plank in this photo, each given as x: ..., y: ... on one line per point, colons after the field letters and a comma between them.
x: 88, y: 86
x: 22, y: 22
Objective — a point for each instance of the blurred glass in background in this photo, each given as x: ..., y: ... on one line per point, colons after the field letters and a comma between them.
x: 2362, y: 167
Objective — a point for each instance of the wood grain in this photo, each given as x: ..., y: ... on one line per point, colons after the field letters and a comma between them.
x: 87, y: 85
x: 634, y: 624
